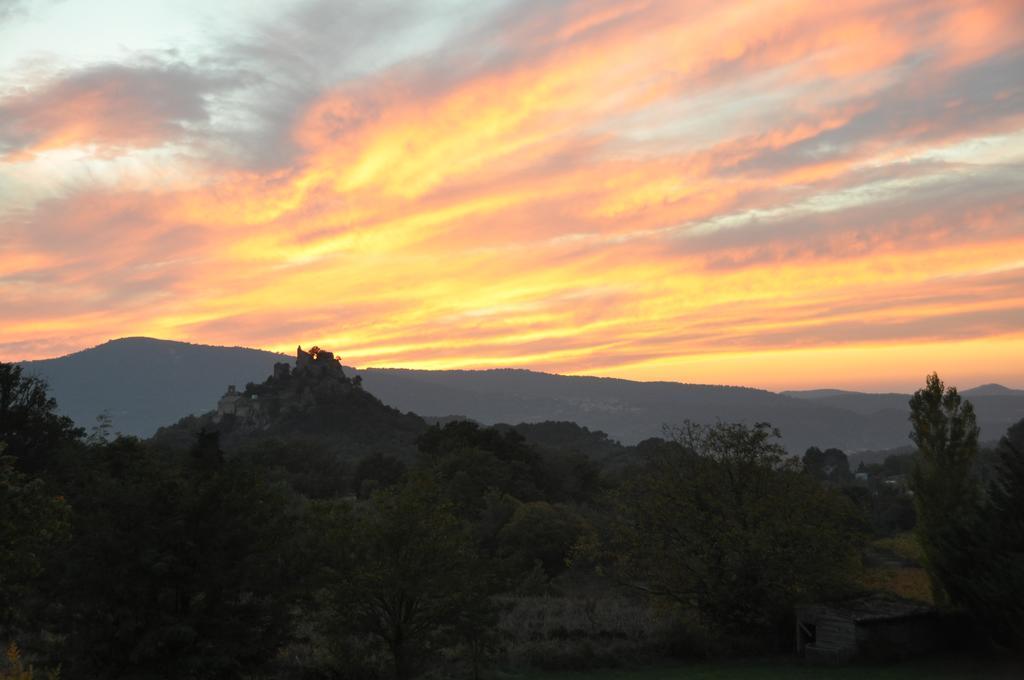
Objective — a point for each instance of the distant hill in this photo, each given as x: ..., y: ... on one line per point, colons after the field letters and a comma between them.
x: 997, y: 407
x: 992, y: 390
x: 858, y: 402
x: 627, y: 410
x: 146, y: 383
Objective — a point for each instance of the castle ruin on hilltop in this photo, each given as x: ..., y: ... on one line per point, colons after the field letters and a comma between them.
x: 316, y: 362
x: 316, y: 373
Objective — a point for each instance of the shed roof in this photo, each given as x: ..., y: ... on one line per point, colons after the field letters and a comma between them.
x: 876, y: 607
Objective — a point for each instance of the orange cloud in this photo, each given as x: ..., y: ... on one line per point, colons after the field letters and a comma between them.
x: 106, y: 109
x: 645, y: 189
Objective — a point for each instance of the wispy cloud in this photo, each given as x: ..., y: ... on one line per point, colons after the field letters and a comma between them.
x: 633, y: 188
x: 107, y: 109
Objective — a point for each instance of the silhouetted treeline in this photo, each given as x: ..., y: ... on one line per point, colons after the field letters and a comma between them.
x: 544, y: 546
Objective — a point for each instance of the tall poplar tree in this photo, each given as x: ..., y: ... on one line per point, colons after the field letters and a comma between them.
x: 946, y: 493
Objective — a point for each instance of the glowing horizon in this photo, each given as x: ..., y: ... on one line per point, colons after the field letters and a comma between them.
x: 776, y: 194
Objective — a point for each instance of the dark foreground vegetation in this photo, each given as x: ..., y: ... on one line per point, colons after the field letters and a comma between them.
x: 222, y: 551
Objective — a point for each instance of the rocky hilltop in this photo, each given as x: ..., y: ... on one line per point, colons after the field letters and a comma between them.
x: 314, y: 401
x: 318, y: 379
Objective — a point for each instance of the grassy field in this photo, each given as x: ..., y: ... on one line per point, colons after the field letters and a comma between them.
x: 941, y: 668
x: 904, y: 575
x: 903, y: 545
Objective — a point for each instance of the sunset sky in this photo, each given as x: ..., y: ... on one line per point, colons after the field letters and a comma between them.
x: 776, y: 194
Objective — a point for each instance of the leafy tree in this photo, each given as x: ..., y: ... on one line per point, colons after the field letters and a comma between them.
x: 415, y: 578
x: 467, y: 461
x: 898, y: 464
x: 945, y: 433
x: 310, y: 467
x: 567, y: 437
x: 377, y: 471
x: 830, y: 465
x: 725, y: 525
x: 178, y: 568
x: 326, y: 543
x: 891, y: 510
x: 539, y: 532
x: 29, y: 423
x: 206, y: 454
x: 989, y: 550
x: 32, y: 523
x: 570, y: 476
x: 1003, y: 521
x: 102, y: 431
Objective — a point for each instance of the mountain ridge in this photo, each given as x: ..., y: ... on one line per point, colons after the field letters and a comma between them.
x: 145, y: 383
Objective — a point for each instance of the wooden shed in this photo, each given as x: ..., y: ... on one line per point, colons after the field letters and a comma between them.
x: 876, y: 628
